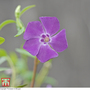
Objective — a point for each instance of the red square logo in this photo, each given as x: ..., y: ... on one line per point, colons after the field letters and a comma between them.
x: 5, y: 82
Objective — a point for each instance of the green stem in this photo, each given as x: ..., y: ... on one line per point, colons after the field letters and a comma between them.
x: 18, y: 22
x: 13, y: 71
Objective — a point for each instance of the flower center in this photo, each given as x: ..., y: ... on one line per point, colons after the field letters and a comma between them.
x: 46, y: 39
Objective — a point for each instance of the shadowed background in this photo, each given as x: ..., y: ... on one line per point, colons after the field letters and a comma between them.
x: 72, y: 67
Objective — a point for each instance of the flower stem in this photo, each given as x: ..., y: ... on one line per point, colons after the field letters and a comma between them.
x: 34, y: 71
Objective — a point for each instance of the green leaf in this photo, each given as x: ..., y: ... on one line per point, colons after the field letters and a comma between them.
x: 21, y: 86
x: 2, y: 60
x: 27, y: 75
x: 13, y: 57
x: 20, y: 27
x: 5, y: 23
x: 21, y: 66
x: 20, y: 32
x: 1, y: 40
x: 22, y: 51
x: 26, y: 8
x: 2, y: 52
x: 3, y: 69
x: 43, y: 73
x: 50, y: 80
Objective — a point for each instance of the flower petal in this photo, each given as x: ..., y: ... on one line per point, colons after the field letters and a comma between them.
x: 32, y: 46
x: 59, y: 41
x: 51, y: 24
x: 33, y: 30
x: 45, y: 53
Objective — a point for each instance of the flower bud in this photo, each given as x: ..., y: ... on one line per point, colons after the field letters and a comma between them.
x: 17, y: 11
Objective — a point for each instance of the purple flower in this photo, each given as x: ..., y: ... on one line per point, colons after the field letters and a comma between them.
x: 41, y: 40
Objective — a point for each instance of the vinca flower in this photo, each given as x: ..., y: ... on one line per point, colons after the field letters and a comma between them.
x: 42, y: 39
